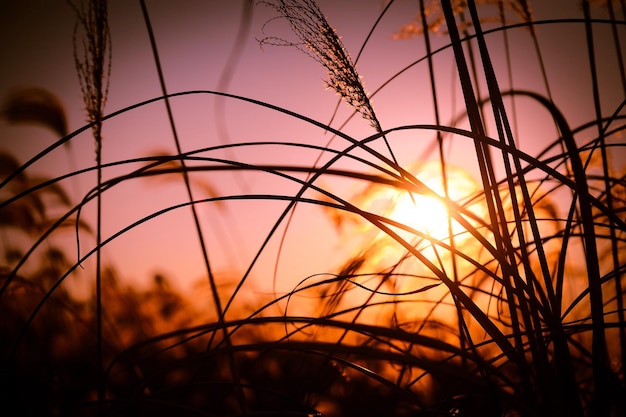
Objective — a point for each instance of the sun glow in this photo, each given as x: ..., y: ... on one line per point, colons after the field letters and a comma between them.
x: 422, y: 213
x: 428, y: 213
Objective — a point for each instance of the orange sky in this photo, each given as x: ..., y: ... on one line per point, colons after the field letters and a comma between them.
x: 195, y: 39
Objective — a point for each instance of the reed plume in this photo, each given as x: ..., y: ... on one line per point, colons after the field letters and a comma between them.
x: 317, y: 39
x: 433, y: 19
x: 92, y: 57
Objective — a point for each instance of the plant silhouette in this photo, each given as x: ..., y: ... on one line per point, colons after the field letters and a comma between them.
x: 505, y: 299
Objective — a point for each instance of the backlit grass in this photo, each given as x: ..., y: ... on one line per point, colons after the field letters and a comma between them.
x: 488, y: 289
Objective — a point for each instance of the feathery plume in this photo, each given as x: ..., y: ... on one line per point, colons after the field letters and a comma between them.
x: 94, y: 66
x: 435, y: 20
x: 318, y: 39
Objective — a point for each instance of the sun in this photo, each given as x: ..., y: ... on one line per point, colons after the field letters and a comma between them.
x: 430, y: 214
x: 426, y: 214
x: 423, y: 213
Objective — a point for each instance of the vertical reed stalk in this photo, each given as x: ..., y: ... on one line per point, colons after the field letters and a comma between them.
x: 93, y: 69
x: 600, y: 403
x: 464, y: 334
x: 494, y: 205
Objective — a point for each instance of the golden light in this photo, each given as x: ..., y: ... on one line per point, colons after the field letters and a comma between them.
x: 422, y: 213
x: 429, y: 214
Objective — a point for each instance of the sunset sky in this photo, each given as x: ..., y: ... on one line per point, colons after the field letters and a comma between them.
x: 195, y: 40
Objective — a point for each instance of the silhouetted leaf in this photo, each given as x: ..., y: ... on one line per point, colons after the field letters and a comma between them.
x: 36, y: 106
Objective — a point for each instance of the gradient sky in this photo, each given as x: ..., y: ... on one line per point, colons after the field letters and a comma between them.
x: 195, y: 40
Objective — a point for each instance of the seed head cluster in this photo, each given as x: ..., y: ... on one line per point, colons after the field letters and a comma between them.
x: 511, y: 11
x: 94, y: 66
x: 318, y: 39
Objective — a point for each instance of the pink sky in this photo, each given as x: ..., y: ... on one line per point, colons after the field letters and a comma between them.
x: 195, y: 39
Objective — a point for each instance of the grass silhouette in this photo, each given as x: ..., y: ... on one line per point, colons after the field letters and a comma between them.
x: 514, y: 307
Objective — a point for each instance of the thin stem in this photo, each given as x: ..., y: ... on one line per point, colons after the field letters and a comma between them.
x: 196, y: 219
